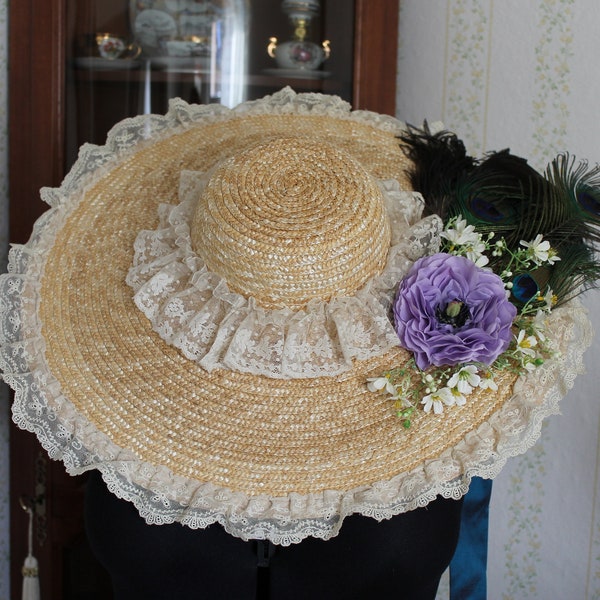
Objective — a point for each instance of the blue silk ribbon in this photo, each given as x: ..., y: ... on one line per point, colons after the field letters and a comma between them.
x: 468, y: 569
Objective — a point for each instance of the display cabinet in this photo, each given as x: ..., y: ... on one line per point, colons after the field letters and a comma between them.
x: 79, y: 66
x: 125, y: 62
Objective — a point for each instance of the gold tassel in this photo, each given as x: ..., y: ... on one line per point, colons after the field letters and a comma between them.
x: 31, y: 582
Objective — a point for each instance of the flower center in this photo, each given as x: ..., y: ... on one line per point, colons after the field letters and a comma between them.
x: 455, y: 313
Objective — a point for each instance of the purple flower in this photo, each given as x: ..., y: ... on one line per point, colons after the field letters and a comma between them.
x: 449, y: 311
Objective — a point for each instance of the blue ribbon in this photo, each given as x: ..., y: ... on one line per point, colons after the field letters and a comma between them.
x: 468, y: 569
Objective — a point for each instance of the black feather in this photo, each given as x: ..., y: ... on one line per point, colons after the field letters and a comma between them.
x: 438, y: 160
x: 503, y: 194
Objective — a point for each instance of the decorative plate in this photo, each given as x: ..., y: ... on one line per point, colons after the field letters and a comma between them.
x: 154, y: 22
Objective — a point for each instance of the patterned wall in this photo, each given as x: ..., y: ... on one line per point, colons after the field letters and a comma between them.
x: 4, y: 412
x: 523, y: 75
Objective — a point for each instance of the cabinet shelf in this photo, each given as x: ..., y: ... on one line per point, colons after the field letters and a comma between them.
x: 139, y: 73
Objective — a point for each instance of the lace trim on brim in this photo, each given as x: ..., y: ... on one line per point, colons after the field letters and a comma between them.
x: 162, y: 497
x: 193, y: 309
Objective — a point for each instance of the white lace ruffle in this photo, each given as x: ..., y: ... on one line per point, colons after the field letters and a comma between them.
x: 192, y: 308
x: 162, y: 497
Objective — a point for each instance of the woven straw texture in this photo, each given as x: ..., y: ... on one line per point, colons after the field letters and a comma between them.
x: 248, y: 433
x: 103, y: 389
x: 302, y: 219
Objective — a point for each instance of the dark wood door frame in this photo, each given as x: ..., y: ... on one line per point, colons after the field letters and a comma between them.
x: 36, y: 84
x: 375, y: 55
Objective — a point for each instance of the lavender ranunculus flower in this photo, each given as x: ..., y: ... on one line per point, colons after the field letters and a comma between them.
x: 449, y: 311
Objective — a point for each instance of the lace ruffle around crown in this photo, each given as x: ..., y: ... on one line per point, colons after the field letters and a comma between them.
x: 194, y: 310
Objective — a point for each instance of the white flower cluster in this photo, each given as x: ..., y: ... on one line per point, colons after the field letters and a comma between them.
x: 530, y: 346
x: 463, y: 240
x: 442, y: 387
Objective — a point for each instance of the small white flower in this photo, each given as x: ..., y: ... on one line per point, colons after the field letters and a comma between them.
x: 549, y: 300
x: 437, y: 400
x: 465, y: 379
x: 462, y: 234
x: 539, y: 250
x: 469, y: 242
x: 403, y: 401
x: 539, y: 323
x: 481, y: 260
x: 526, y: 343
x: 376, y: 384
x: 457, y: 397
x: 487, y: 381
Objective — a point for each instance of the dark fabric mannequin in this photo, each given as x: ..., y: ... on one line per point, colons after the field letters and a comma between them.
x: 402, y: 558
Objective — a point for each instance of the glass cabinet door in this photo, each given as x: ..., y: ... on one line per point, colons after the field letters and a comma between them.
x: 130, y: 57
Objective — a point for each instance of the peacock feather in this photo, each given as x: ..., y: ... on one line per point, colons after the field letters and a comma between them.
x: 576, y: 189
x: 501, y: 194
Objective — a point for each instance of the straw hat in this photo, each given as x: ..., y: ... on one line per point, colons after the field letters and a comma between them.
x: 199, y: 312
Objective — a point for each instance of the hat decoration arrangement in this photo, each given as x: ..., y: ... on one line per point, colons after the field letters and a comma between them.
x: 516, y: 245
x: 207, y: 306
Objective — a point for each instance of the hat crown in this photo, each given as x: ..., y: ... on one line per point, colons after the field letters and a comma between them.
x: 291, y: 220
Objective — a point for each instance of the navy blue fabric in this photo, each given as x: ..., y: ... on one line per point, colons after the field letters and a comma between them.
x: 468, y: 568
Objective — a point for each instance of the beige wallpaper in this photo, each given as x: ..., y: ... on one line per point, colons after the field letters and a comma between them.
x: 508, y: 73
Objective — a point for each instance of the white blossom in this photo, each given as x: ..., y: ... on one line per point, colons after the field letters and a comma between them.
x: 539, y: 250
x: 549, y: 300
x: 526, y: 343
x: 462, y: 234
x: 481, y: 260
x: 465, y: 379
x: 376, y: 384
x: 458, y: 397
x: 473, y: 246
x: 487, y: 381
x: 437, y: 399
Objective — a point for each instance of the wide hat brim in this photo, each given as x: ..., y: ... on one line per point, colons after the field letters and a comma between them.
x: 267, y: 458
